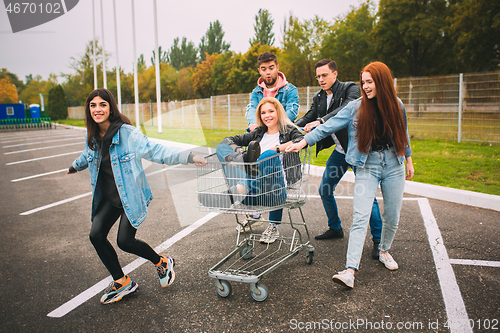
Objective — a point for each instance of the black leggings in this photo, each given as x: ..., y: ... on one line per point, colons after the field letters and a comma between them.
x: 104, y: 219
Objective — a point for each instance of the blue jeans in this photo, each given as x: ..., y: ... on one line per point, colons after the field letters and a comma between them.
x: 380, y: 168
x: 336, y: 167
x: 267, y: 189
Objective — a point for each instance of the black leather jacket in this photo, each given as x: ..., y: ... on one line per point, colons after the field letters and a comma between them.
x: 343, y: 93
x: 291, y: 133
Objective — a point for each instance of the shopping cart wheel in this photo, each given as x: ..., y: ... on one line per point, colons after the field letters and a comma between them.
x: 309, y: 257
x: 262, y: 292
x: 246, y: 251
x: 223, y: 288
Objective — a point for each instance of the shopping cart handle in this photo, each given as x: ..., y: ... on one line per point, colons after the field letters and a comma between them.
x: 302, y: 129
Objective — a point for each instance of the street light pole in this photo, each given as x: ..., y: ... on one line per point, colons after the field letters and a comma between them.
x: 157, y: 64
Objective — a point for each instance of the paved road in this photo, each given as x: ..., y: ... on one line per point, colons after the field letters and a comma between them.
x: 52, y: 277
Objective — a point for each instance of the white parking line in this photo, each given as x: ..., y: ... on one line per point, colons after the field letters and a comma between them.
x: 56, y: 204
x: 475, y: 262
x: 101, y: 285
x: 30, y: 138
x: 42, y: 148
x: 453, y: 301
x: 39, y: 142
x: 39, y: 175
x: 43, y: 158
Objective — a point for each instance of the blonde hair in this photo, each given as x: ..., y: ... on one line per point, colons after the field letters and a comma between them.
x: 283, y: 119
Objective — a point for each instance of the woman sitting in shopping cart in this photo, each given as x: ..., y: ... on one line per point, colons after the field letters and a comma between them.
x: 255, y: 178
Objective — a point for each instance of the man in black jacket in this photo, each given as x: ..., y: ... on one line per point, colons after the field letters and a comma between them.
x: 333, y: 97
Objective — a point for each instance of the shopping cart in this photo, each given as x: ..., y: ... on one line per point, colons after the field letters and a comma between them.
x: 280, y: 181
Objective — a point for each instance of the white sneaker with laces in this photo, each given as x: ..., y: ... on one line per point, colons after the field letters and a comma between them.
x: 270, y: 234
x: 344, y: 278
x: 388, y: 261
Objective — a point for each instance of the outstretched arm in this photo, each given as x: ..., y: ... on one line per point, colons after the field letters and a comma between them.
x: 296, y: 147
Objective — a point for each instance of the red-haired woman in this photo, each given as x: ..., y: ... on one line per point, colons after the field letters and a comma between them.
x: 378, y: 146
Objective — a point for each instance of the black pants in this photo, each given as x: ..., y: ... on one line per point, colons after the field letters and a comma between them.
x: 104, y: 219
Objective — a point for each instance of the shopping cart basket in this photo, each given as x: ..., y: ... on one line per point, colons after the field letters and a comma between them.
x: 281, y: 181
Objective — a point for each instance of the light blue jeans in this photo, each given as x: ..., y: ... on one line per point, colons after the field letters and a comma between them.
x: 381, y: 168
x: 267, y: 189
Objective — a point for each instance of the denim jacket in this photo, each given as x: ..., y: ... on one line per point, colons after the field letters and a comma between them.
x: 287, y: 95
x: 128, y: 147
x: 347, y: 118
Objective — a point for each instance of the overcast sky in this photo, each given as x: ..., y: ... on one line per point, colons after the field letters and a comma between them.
x: 48, y: 48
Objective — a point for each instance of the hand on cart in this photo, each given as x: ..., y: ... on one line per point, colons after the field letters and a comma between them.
x: 199, y: 161
x: 296, y: 147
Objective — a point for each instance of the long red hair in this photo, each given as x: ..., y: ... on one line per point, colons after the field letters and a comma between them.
x: 390, y: 110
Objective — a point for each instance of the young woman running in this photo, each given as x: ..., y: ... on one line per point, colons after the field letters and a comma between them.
x: 113, y: 153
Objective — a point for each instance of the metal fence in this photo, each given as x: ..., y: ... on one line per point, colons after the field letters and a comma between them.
x: 462, y: 107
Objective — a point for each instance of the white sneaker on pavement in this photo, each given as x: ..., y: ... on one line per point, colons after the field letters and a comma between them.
x: 270, y: 234
x: 344, y: 278
x: 388, y: 261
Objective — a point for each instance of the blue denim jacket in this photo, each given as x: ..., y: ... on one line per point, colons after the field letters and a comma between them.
x: 287, y: 95
x: 127, y: 148
x: 347, y: 118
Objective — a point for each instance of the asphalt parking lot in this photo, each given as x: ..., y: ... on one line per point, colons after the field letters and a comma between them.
x: 448, y: 254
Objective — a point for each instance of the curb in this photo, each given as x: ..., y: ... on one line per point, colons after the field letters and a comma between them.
x: 463, y: 197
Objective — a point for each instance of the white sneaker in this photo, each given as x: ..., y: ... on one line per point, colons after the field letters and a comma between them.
x: 344, y: 278
x: 270, y: 234
x: 388, y: 261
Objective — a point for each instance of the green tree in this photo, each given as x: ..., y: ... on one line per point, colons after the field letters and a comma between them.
x: 182, y: 55
x: 57, y: 105
x: 163, y: 57
x: 184, y: 87
x: 411, y: 36
x: 213, y: 41
x: 301, y: 49
x: 263, y: 28
x: 474, y: 23
x: 80, y: 84
x: 31, y: 92
x: 28, y: 78
x: 141, y: 63
x: 349, y: 42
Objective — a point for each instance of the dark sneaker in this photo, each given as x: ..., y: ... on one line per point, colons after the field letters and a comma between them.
x: 252, y: 153
x: 116, y: 291
x: 331, y: 234
x: 165, y: 271
x: 250, y: 157
x: 376, y: 251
